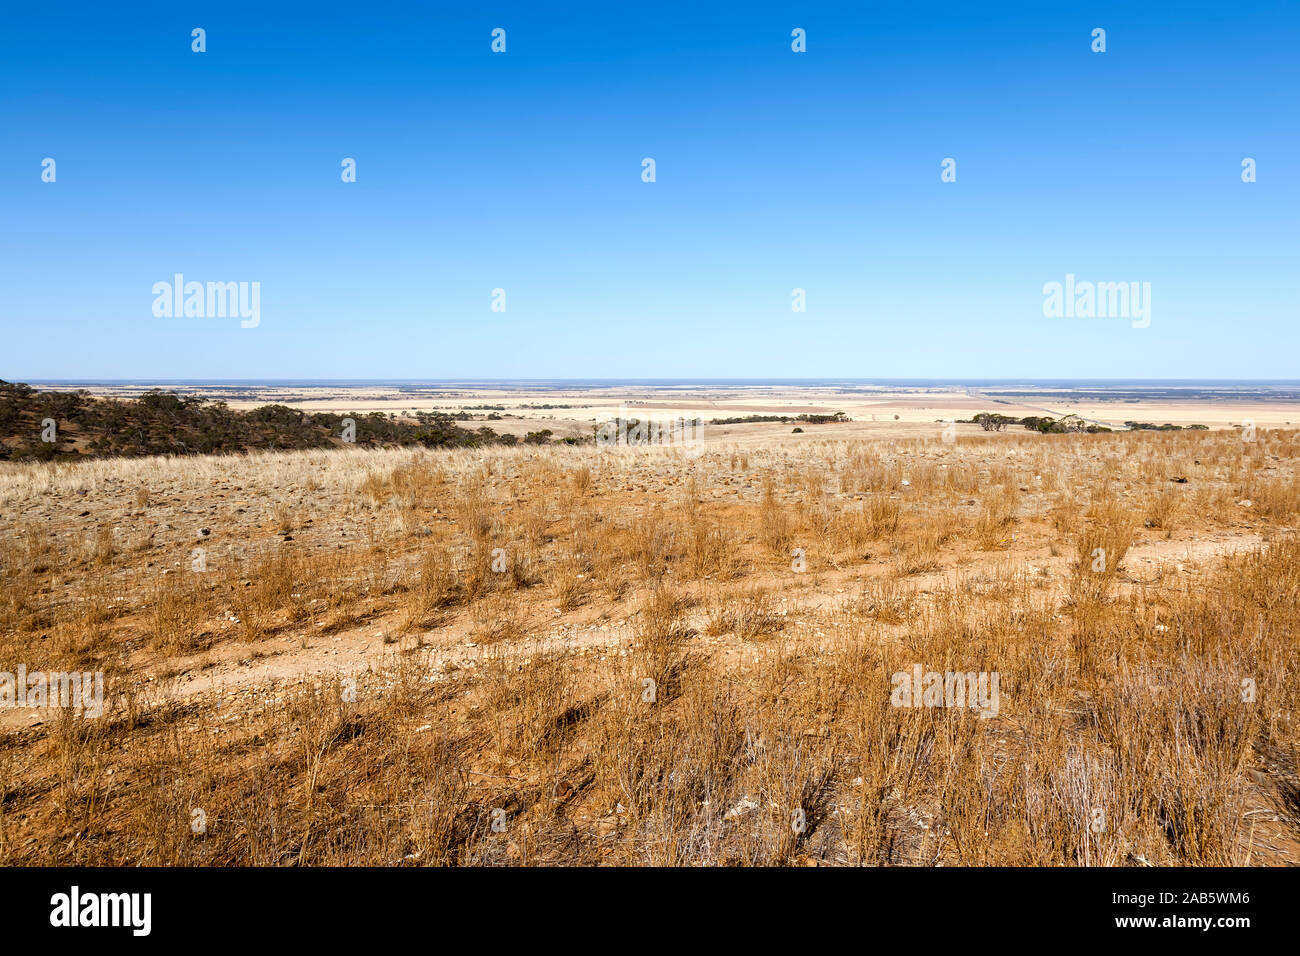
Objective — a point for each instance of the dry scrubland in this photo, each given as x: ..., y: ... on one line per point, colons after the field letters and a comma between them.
x: 524, y: 691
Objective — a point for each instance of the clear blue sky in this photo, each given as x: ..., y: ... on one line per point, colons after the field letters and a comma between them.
x: 775, y: 170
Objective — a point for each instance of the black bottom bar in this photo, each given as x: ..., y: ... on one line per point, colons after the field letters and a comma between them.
x: 335, y: 906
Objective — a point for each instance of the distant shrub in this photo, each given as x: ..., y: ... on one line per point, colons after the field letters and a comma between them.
x: 992, y: 422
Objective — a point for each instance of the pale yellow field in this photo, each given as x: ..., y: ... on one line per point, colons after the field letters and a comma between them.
x: 875, y: 411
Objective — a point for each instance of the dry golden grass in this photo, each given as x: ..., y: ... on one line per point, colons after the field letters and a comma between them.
x: 566, y: 655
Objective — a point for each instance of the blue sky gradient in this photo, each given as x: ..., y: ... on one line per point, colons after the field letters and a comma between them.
x: 775, y: 170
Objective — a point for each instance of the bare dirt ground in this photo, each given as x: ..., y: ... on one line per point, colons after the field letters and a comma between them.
x: 379, y: 655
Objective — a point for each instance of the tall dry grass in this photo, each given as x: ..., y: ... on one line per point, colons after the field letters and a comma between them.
x: 704, y: 701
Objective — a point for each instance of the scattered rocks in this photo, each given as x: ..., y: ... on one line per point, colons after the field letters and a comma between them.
x: 744, y: 805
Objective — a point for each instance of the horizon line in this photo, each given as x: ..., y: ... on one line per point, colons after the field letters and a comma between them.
x: 720, y: 380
